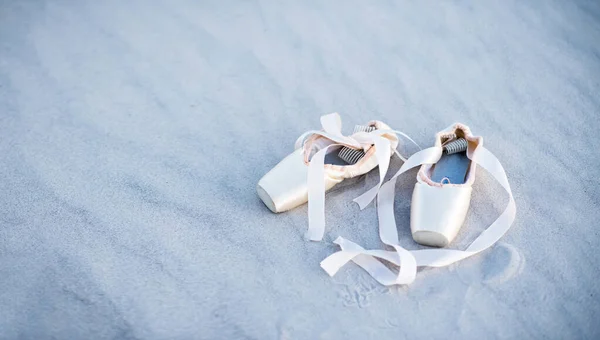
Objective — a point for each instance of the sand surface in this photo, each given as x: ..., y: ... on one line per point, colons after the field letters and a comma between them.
x: 133, y: 133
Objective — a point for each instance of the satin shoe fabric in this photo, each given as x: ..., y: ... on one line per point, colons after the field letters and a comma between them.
x: 438, y: 210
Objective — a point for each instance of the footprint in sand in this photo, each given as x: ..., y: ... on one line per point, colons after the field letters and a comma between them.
x: 492, y: 267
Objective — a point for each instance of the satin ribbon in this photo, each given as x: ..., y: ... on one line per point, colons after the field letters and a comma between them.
x: 408, y: 261
x: 332, y: 130
x: 387, y: 223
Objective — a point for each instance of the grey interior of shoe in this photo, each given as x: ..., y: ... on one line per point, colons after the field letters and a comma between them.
x: 333, y: 158
x: 454, y: 167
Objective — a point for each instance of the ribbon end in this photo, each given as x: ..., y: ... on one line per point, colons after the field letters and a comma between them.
x: 312, y: 235
x: 361, y: 204
x: 339, y: 240
x: 332, y: 264
x: 328, y: 269
x: 365, y: 199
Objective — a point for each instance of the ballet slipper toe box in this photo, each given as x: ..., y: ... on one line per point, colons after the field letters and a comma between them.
x: 438, y: 212
x: 285, y: 187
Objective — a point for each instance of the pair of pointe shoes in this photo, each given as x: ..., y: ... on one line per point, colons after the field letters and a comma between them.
x: 441, y: 196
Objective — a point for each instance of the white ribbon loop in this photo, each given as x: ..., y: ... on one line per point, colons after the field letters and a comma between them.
x: 366, y: 259
x: 365, y: 199
x: 419, y: 258
x: 316, y: 195
x: 385, y: 199
x: 316, y: 172
x: 385, y: 211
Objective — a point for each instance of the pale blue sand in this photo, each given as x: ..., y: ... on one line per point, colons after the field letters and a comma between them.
x: 133, y: 133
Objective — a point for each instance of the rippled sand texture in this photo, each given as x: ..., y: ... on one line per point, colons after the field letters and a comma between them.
x: 132, y: 135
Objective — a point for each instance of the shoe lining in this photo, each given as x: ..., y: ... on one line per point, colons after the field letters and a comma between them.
x: 451, y: 168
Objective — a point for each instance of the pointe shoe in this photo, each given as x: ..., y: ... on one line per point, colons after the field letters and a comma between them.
x: 285, y: 187
x: 442, y: 194
x: 441, y: 199
x: 306, y: 174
